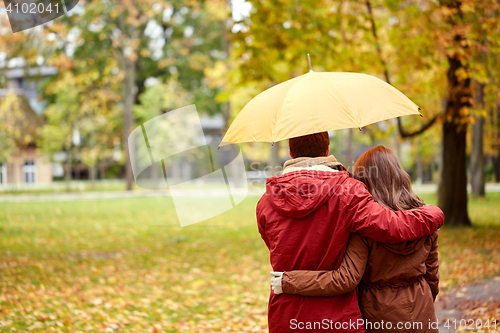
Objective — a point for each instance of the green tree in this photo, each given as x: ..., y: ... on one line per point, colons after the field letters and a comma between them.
x: 85, y: 105
x: 118, y: 46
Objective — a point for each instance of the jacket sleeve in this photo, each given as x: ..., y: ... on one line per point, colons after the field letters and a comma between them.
x: 261, y: 223
x: 362, y: 214
x: 432, y: 266
x: 331, y: 283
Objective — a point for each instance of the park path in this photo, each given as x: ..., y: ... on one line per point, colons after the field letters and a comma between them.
x: 458, y: 303
x: 105, y: 195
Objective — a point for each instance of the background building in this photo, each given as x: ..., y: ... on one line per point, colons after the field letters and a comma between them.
x: 24, y: 165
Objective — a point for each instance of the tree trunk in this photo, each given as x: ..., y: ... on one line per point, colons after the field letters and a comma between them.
x: 129, y: 90
x: 477, y: 176
x: 477, y: 180
x: 452, y: 193
x: 67, y: 172
x: 395, y: 138
x: 496, y: 167
x: 93, y: 166
x: 92, y: 175
x: 128, y: 98
x: 77, y: 171
x: 453, y: 185
x: 398, y: 151
x: 440, y: 163
x: 226, y: 112
x: 102, y: 171
x: 420, y: 167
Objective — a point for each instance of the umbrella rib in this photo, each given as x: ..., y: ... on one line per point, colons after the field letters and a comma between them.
x: 278, y: 114
x: 315, y: 117
x: 311, y: 111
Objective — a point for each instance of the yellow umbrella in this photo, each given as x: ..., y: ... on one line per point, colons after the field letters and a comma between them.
x: 317, y: 102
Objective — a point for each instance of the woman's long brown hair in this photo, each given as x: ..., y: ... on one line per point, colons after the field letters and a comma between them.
x: 389, y: 184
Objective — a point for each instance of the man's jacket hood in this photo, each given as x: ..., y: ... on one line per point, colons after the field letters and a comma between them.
x: 299, y: 193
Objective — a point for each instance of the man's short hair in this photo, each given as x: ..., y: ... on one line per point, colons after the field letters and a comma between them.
x: 312, y: 145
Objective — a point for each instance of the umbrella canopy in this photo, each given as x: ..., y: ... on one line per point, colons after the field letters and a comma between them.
x: 317, y: 102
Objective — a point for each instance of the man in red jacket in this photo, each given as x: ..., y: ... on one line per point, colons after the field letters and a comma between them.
x: 306, y: 217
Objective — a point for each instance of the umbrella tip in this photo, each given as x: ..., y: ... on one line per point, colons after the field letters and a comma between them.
x: 359, y: 128
x: 421, y: 115
x: 309, y: 60
x: 272, y: 144
x: 218, y: 148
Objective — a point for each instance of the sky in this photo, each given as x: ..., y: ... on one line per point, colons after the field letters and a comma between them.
x: 241, y: 9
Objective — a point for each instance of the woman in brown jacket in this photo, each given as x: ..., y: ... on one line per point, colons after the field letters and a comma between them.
x: 397, y: 284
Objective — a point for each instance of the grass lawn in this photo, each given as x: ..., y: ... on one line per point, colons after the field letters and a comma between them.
x: 126, y: 265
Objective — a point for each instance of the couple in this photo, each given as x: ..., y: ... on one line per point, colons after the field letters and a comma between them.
x: 335, y: 240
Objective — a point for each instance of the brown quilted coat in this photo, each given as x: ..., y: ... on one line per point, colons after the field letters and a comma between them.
x: 397, y: 283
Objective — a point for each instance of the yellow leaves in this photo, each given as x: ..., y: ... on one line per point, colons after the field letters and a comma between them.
x: 198, y: 283
x: 473, y: 257
x: 199, y: 61
x: 133, y: 57
x: 171, y: 305
x: 114, y: 14
x: 217, y: 76
x: 61, y: 61
x: 166, y: 62
x: 462, y: 74
x: 467, y: 7
x: 217, y: 9
x: 216, y: 280
x: 36, y: 325
x: 447, y: 11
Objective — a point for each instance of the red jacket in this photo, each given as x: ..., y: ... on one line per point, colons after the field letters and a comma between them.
x: 305, y: 218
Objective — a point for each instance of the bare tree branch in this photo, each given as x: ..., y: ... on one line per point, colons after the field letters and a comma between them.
x: 402, y: 132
